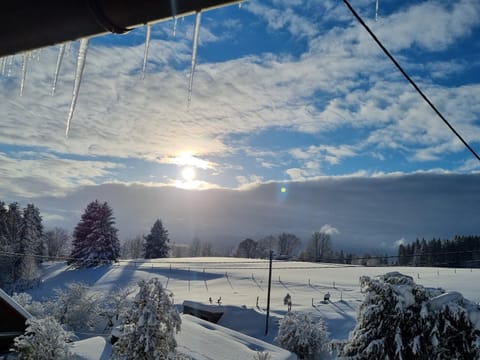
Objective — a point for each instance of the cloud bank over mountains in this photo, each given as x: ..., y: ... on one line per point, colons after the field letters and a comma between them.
x: 360, y: 213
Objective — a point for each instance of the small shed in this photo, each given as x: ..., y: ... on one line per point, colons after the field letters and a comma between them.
x: 211, y: 313
x: 12, y: 321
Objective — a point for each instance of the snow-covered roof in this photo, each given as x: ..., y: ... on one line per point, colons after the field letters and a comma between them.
x: 214, y: 309
x: 19, y: 308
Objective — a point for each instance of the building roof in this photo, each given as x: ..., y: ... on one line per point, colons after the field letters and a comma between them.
x: 15, y: 305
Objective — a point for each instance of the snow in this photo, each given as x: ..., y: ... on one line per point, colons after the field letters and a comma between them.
x: 5, y: 297
x: 203, y: 340
x: 95, y: 348
x: 204, y: 307
x: 239, y: 282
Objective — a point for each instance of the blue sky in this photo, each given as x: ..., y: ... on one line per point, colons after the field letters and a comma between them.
x: 285, y: 91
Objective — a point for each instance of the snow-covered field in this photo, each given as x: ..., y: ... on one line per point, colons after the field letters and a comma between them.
x: 239, y: 283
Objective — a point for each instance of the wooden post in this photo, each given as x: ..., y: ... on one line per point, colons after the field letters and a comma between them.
x: 268, y: 293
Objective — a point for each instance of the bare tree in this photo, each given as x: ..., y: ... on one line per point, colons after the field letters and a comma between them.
x: 288, y: 244
x: 133, y: 248
x: 57, y: 242
x: 320, y: 246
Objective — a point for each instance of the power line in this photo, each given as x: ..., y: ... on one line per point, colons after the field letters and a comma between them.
x: 410, y: 80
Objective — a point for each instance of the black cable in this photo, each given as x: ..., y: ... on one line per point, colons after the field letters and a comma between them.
x: 399, y: 67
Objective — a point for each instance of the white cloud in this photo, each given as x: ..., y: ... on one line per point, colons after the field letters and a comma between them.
x: 329, y: 229
x: 46, y: 174
x: 397, y: 243
x: 431, y: 25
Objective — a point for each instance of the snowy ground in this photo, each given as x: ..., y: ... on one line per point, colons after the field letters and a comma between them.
x: 239, y: 282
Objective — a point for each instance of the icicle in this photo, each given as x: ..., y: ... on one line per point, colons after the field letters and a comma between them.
x: 68, y: 49
x: 26, y: 56
x: 196, y: 33
x: 175, y: 21
x: 3, y: 66
x: 82, y: 56
x: 147, y: 46
x: 10, y: 61
x: 61, y: 52
x: 376, y: 11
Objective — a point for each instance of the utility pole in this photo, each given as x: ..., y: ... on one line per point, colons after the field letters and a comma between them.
x: 268, y: 293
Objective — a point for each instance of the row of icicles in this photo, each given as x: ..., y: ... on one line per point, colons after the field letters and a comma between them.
x: 6, y: 64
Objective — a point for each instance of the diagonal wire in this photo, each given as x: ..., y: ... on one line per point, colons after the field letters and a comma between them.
x: 404, y: 73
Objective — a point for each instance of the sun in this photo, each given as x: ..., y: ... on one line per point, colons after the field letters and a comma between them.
x: 188, y: 173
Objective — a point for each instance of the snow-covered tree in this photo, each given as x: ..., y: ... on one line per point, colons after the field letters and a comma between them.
x: 20, y: 233
x: 115, y: 306
x: 29, y: 245
x: 148, y: 332
x: 75, y: 307
x: 301, y: 334
x: 156, y: 243
x: 44, y: 339
x: 402, y: 320
x: 57, y: 242
x: 10, y: 228
x: 95, y: 240
x: 36, y: 308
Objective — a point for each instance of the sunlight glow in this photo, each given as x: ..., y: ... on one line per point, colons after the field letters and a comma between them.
x: 188, y: 173
x: 187, y: 159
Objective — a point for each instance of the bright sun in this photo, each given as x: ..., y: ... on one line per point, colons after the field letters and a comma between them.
x: 188, y: 173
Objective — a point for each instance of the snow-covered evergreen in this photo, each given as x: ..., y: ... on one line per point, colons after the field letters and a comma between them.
x: 149, y: 328
x: 95, y: 240
x: 301, y: 334
x: 402, y: 320
x: 29, y: 245
x: 21, y: 240
x: 156, y: 243
x: 44, y: 339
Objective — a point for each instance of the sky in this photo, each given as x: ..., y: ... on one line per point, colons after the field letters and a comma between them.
x: 290, y: 99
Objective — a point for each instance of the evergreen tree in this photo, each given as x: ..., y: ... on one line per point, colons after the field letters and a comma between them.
x: 10, y: 232
x: 6, y: 261
x: 95, y: 240
x: 29, y: 245
x: 156, y: 243
x: 402, y: 320
x: 148, y: 331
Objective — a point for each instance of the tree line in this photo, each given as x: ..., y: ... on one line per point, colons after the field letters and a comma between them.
x: 462, y: 251
x: 318, y: 248
x: 21, y: 232
x: 24, y: 243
